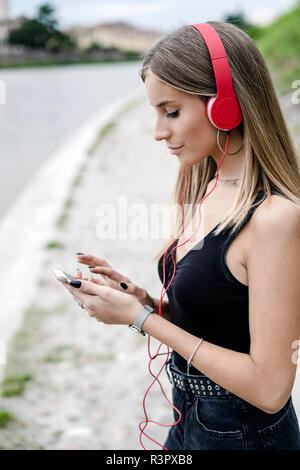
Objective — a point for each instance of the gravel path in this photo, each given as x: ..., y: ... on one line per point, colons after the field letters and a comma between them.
x: 87, y: 380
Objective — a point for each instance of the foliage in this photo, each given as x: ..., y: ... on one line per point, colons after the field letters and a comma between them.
x: 42, y: 33
x: 5, y: 418
x: 238, y: 19
x: 14, y: 385
x: 280, y: 46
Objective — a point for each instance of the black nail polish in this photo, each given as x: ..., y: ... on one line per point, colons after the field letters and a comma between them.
x: 76, y: 284
x: 79, y: 253
x: 124, y: 285
x: 91, y: 266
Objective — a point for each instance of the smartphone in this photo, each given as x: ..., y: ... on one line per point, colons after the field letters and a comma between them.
x: 62, y: 276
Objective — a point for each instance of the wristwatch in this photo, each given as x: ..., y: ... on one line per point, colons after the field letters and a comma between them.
x: 137, y: 325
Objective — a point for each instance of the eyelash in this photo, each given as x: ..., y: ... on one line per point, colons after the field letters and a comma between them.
x: 173, y: 115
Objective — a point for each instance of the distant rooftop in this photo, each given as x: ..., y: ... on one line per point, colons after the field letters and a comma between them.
x: 121, y: 27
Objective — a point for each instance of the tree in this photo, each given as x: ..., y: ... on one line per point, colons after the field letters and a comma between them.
x: 238, y: 19
x: 46, y: 16
x: 60, y: 42
x: 42, y: 33
x: 30, y: 34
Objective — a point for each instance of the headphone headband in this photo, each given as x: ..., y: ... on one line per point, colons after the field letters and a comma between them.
x: 223, y: 111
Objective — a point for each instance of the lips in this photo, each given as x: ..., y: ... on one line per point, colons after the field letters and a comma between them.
x: 175, y: 148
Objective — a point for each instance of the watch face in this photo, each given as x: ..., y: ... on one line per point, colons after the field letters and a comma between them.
x: 135, y: 328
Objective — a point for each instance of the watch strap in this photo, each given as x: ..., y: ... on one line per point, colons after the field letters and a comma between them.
x: 138, y: 323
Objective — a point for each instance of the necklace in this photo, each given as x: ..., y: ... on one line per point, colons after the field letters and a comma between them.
x: 229, y: 180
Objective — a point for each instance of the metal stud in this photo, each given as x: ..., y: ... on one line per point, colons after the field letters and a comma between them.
x: 218, y: 393
x: 209, y: 387
x: 202, y: 387
x: 217, y: 387
x: 197, y: 386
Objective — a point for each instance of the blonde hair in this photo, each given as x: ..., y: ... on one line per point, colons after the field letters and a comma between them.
x: 181, y: 60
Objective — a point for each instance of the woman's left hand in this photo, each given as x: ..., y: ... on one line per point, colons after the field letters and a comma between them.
x: 106, y: 304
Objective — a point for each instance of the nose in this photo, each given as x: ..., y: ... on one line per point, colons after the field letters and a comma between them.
x: 161, y: 131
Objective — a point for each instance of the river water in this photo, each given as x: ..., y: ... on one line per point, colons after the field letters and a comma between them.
x: 44, y: 107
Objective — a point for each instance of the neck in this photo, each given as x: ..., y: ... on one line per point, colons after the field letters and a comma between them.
x: 231, y: 166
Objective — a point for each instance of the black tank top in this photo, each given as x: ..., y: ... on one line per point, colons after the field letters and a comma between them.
x: 205, y: 299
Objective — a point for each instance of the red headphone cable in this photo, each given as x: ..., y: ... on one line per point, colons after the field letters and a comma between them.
x: 146, y: 421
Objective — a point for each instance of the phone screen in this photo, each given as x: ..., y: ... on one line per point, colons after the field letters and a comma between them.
x: 62, y: 275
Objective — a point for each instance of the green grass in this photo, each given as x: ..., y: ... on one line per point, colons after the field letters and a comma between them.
x: 56, y: 63
x: 75, y: 355
x: 18, y: 370
x: 14, y: 385
x: 5, y: 419
x: 101, y: 134
x: 54, y: 244
x: 280, y: 47
x: 58, y: 353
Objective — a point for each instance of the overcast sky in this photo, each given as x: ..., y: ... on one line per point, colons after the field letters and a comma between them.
x: 163, y: 15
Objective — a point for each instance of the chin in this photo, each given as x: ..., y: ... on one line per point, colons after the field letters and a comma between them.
x: 188, y: 162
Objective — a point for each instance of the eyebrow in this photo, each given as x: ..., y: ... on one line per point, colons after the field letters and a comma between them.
x: 163, y: 103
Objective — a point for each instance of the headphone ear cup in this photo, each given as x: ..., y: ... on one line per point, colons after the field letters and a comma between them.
x: 210, y: 111
x: 209, y: 104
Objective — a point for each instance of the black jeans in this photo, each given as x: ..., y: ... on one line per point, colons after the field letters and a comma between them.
x: 229, y: 423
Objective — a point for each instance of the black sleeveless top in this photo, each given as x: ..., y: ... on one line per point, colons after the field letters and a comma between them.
x: 205, y: 299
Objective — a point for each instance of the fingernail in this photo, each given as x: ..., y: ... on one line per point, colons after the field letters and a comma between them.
x: 91, y: 266
x: 76, y: 284
x: 79, y: 253
x: 124, y: 285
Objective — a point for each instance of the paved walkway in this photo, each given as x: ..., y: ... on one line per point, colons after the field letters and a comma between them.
x: 88, y: 379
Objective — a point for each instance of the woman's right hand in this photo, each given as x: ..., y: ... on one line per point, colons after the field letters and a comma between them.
x: 112, y: 278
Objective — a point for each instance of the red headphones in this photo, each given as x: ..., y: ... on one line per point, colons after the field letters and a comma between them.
x: 223, y: 110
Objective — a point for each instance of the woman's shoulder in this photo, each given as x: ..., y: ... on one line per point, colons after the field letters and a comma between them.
x: 276, y: 213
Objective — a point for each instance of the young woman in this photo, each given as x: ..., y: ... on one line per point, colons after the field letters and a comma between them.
x: 233, y: 308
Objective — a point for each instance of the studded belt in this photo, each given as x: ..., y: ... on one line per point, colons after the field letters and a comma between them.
x: 197, y: 385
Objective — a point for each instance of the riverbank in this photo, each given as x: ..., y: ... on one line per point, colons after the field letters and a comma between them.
x: 63, y: 63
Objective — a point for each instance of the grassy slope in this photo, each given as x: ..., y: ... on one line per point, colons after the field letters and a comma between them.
x: 280, y: 46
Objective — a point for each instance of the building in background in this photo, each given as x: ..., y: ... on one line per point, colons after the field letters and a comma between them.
x: 4, y: 9
x: 7, y: 23
x: 120, y: 35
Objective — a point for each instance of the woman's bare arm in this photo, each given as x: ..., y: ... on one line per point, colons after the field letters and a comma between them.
x: 165, y: 308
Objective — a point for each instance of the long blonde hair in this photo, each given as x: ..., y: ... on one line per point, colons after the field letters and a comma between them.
x: 181, y: 60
